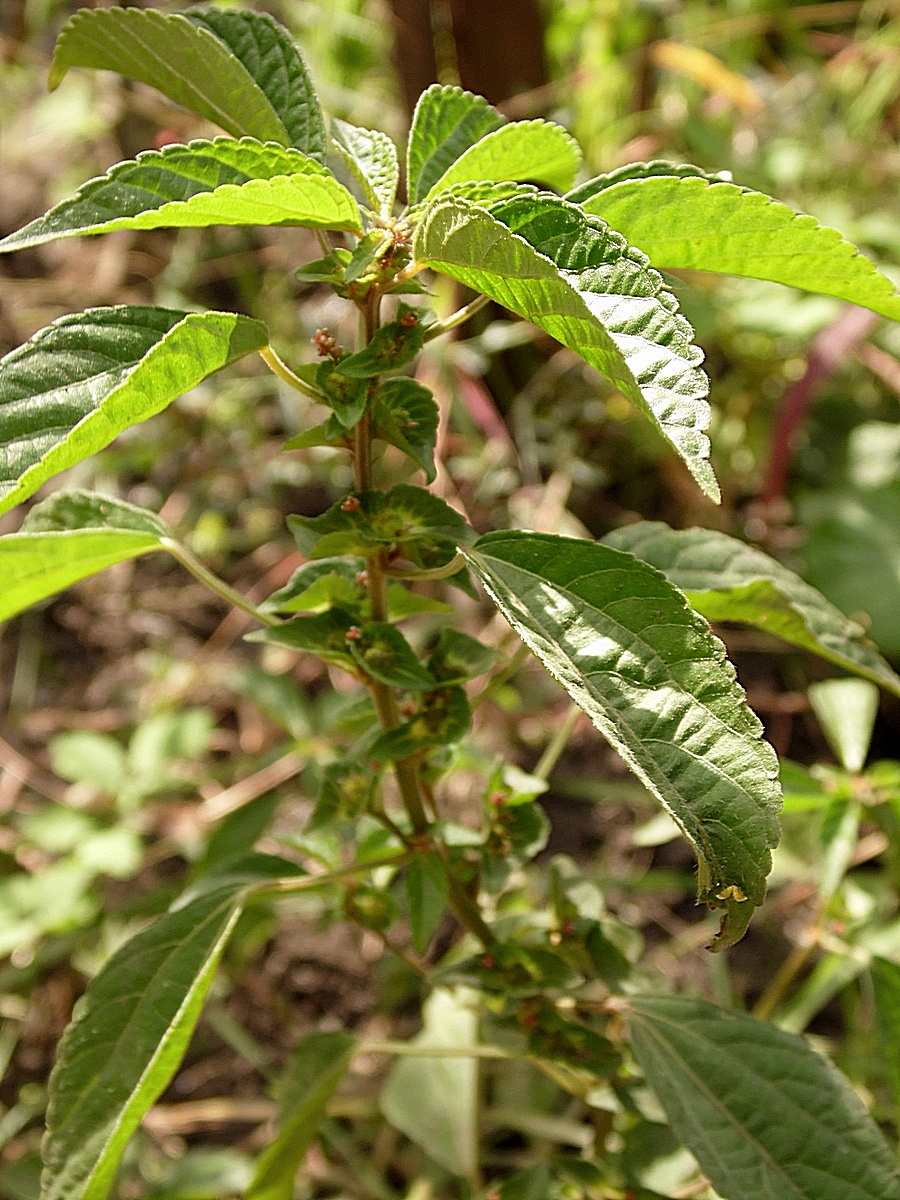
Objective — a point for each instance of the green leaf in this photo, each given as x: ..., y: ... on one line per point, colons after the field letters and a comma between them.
x: 458, y: 657
x: 320, y: 585
x: 544, y: 259
x: 655, y: 681
x: 443, y: 718
x: 693, y: 221
x: 763, y: 1114
x: 384, y: 653
x: 526, y: 151
x: 427, y: 891
x: 391, y: 346
x: 434, y: 1101
x: 405, y: 414
x: 81, y: 381
x: 886, y: 980
x: 447, y: 121
x: 347, y: 397
x: 408, y: 518
x: 317, y: 1065
x: 67, y: 538
x: 126, y: 1040
x: 324, y: 634
x: 222, y: 182
x: 176, y: 55
x: 846, y: 710
x: 371, y: 157
x: 726, y: 580
x: 274, y: 63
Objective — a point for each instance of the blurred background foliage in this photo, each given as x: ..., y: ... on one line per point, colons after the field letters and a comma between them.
x: 139, y: 739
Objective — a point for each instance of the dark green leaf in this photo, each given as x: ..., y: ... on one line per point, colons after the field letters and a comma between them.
x: 347, y: 397
x: 384, y: 653
x: 317, y: 586
x: 372, y: 159
x: 405, y: 414
x: 324, y: 635
x: 442, y: 719
x: 685, y: 219
x: 655, y: 681
x: 427, y: 891
x: 317, y: 1065
x: 886, y: 978
x: 222, y: 182
x: 763, y: 1114
x: 126, y: 1040
x: 726, y: 580
x: 546, y: 260
x: 80, y: 382
x: 184, y: 61
x: 274, y: 63
x: 447, y: 121
x: 393, y: 345
x: 458, y: 657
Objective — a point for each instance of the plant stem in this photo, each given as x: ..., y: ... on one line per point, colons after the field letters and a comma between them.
x: 217, y: 585
x: 306, y: 883
x: 457, y: 318
x: 557, y: 744
x: 284, y: 372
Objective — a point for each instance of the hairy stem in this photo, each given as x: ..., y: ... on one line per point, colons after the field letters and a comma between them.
x: 217, y: 585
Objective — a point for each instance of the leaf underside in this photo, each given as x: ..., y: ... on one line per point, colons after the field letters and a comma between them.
x: 652, y: 677
x: 726, y: 580
x: 81, y: 381
x: 694, y: 222
x: 222, y: 182
x: 763, y: 1114
x: 542, y: 258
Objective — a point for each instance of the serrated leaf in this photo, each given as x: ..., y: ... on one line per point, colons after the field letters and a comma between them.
x: 446, y: 122
x: 405, y: 414
x: 222, y: 182
x: 323, y: 634
x: 316, y: 1066
x: 527, y: 151
x: 655, y: 681
x: 274, y: 63
x: 384, y: 653
x: 391, y: 346
x: 434, y: 1101
x: 763, y: 1114
x: 692, y: 221
x: 427, y: 891
x: 183, y: 60
x: 81, y: 381
x: 67, y: 538
x: 126, y: 1040
x: 544, y: 259
x: 727, y: 580
x: 371, y: 157
x: 316, y: 586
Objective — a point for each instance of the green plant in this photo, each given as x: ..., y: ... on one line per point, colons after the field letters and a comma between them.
x: 621, y: 624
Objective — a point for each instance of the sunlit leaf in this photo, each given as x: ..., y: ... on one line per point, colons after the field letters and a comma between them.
x: 222, y: 182
x: 447, y: 121
x: 655, y: 681
x: 274, y: 63
x: 544, y: 259
x: 763, y: 1114
x: 685, y: 219
x: 126, y: 1040
x: 371, y: 157
x: 727, y: 580
x: 69, y: 537
x: 529, y: 151
x: 182, y: 59
x: 81, y: 381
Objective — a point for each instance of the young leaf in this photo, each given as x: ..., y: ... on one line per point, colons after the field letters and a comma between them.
x: 447, y: 121
x: 222, y: 182
x: 324, y: 634
x: 391, y: 346
x: 274, y: 63
x: 81, y: 381
x: 763, y: 1114
x: 317, y: 1065
x: 532, y: 151
x: 320, y: 585
x: 726, y: 580
x: 427, y: 891
x: 434, y: 1101
x: 126, y: 1040
x: 69, y: 537
x: 371, y: 157
x: 655, y: 681
x: 542, y: 258
x: 384, y: 653
x: 405, y: 414
x: 693, y: 221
